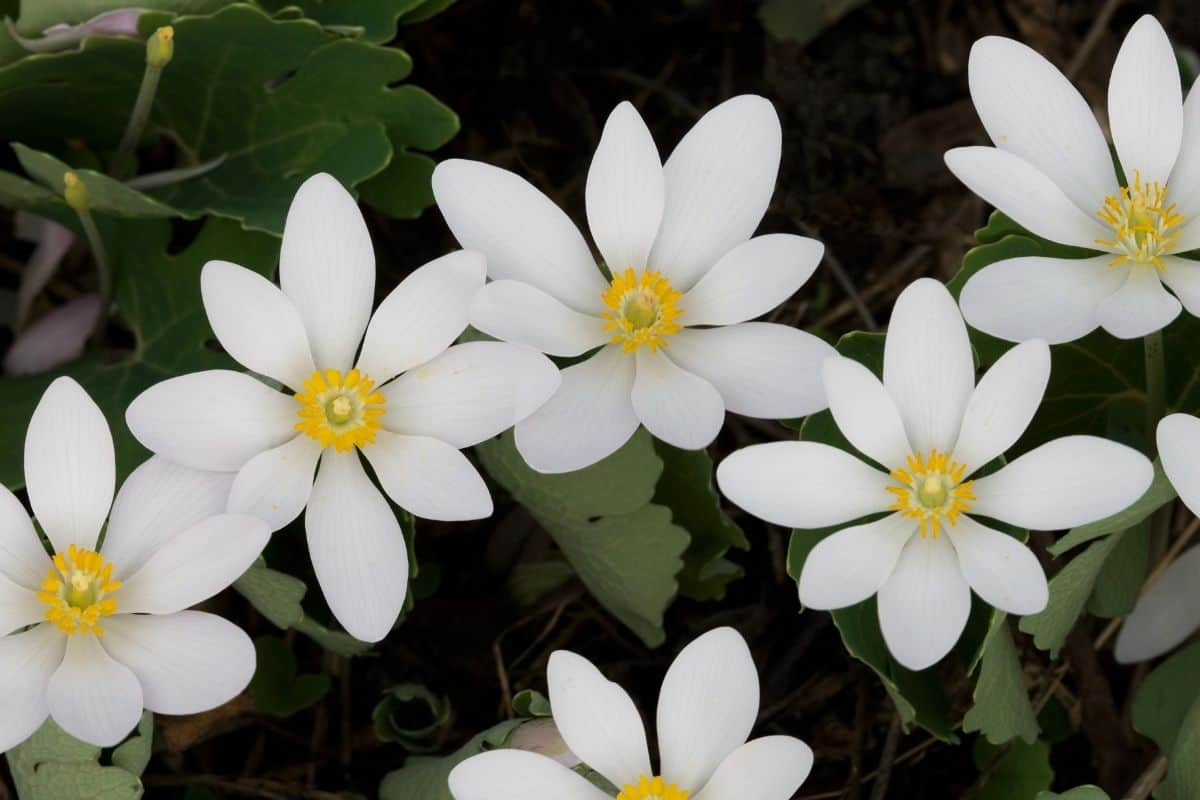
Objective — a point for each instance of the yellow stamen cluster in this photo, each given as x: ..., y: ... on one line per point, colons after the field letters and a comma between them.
x: 1144, y: 226
x: 652, y: 789
x: 78, y: 591
x: 932, y: 491
x: 642, y: 310
x: 340, y: 411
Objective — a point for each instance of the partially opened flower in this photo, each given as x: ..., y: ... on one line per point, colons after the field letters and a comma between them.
x: 102, y: 629
x: 706, y: 710
x: 339, y: 400
x: 669, y: 315
x: 1051, y: 170
x: 931, y: 429
x: 1169, y: 610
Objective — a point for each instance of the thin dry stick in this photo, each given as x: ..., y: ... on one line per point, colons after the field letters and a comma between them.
x: 1148, y: 780
x: 843, y: 279
x: 1099, y: 24
x: 879, y: 790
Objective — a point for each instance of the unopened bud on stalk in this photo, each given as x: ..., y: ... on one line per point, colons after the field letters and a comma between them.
x: 160, y: 47
x: 75, y: 192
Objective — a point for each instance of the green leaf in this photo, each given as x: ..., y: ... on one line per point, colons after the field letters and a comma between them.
x: 1001, y: 709
x: 37, y: 15
x: 21, y: 193
x: 425, y: 777
x: 1120, y: 580
x: 1078, y: 793
x: 1069, y: 593
x: 338, y: 642
x: 404, y: 189
x: 528, y: 703
x: 375, y: 18
x: 105, y: 194
x: 623, y: 547
x: 158, y: 295
x: 277, y: 687
x: 51, y: 765
x: 1162, y: 701
x: 413, y: 716
x: 134, y: 754
x: 1183, y: 767
x: 280, y: 99
x: 803, y: 22
x: 1022, y: 771
x: 277, y: 596
x: 1158, y: 495
x: 686, y: 487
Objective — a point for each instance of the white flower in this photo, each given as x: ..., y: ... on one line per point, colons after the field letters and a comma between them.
x: 1169, y: 610
x: 706, y: 710
x: 676, y: 239
x: 103, y: 629
x: 1052, y: 172
x: 410, y: 429
x: 932, y: 428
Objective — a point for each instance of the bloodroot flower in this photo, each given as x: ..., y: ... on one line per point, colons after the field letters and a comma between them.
x: 668, y: 320
x: 103, y: 630
x: 706, y: 710
x: 932, y: 429
x: 341, y: 400
x: 1051, y: 170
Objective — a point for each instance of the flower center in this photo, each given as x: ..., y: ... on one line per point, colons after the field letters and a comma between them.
x: 78, y: 591
x: 652, y: 789
x: 1144, y: 226
x: 340, y: 411
x: 642, y: 309
x: 931, y: 490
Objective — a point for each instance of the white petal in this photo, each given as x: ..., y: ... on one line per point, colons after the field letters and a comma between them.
x: 27, y: 660
x: 1064, y: 483
x: 802, y: 484
x: 1001, y: 570
x: 928, y: 367
x: 522, y: 313
x: 1139, y: 307
x: 1003, y: 404
x: 91, y: 696
x: 1184, y: 183
x: 327, y: 268
x: 357, y: 548
x: 707, y: 706
x: 22, y: 557
x: 158, y: 501
x: 1166, y: 614
x: 720, y: 179
x: 1034, y: 297
x: 422, y: 316
x: 768, y: 768
x: 589, y: 417
x: 1182, y: 275
x: 1029, y: 108
x: 1023, y: 192
x: 518, y: 775
x: 751, y: 279
x: 428, y: 477
x: 256, y: 323
x: 761, y: 369
x: 70, y: 468
x: 924, y: 605
x: 195, y: 565
x: 187, y: 662
x: 675, y: 405
x: 864, y: 411
x: 624, y: 191
x: 19, y: 607
x: 470, y: 393
x: 523, y: 234
x: 1145, y: 102
x: 597, y: 719
x: 275, y: 485
x: 850, y: 566
x: 214, y: 420
x: 1178, y: 438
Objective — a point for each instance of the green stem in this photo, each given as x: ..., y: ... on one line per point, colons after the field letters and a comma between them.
x: 1156, y: 409
x: 103, y: 269
x: 123, y: 163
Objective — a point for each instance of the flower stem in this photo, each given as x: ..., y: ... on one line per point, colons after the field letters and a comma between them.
x: 103, y: 270
x: 123, y: 163
x: 1156, y: 409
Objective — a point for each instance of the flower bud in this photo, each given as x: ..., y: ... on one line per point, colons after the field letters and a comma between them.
x: 160, y: 47
x: 75, y: 192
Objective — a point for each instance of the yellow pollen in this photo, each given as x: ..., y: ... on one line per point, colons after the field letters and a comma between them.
x: 340, y: 411
x: 932, y: 491
x: 642, y: 310
x: 1144, y: 226
x: 78, y: 591
x: 652, y: 789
